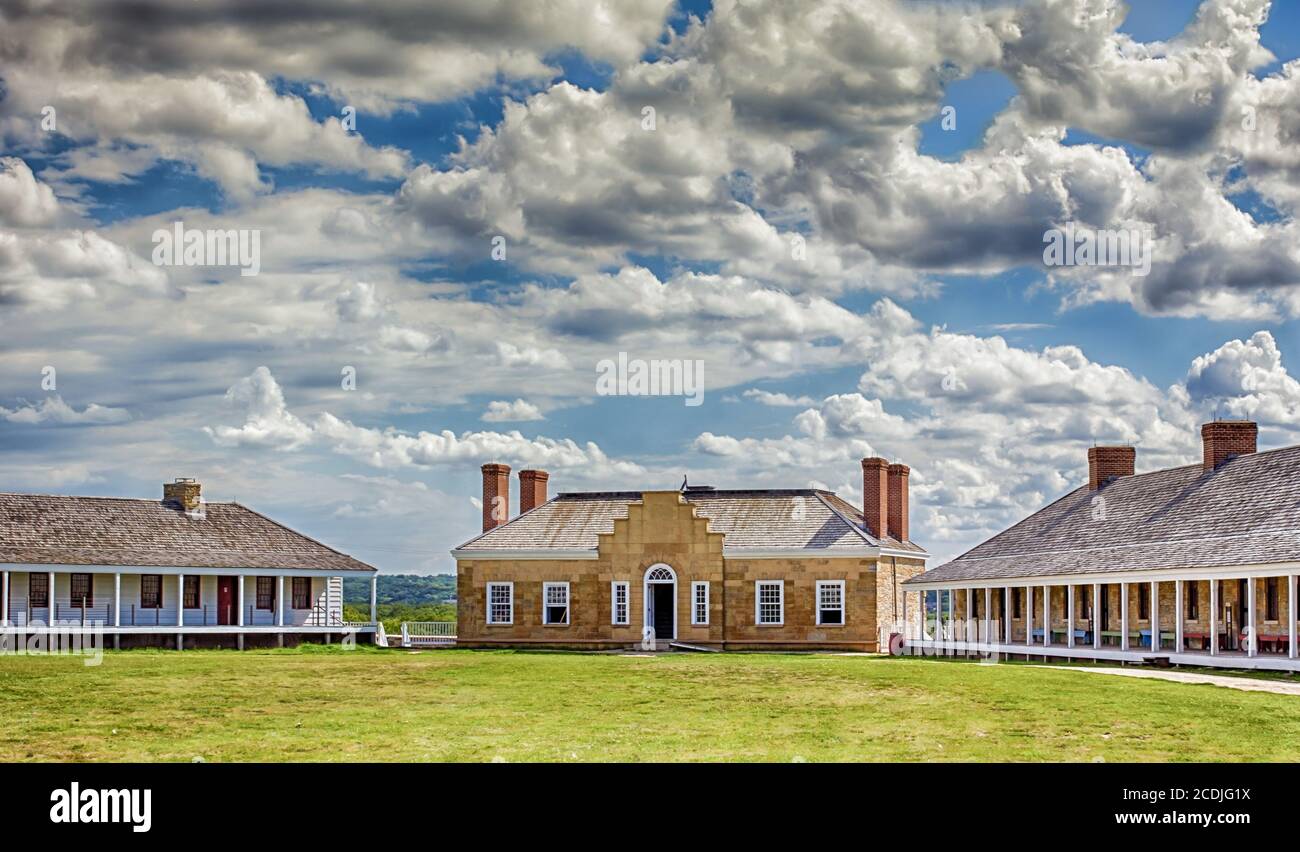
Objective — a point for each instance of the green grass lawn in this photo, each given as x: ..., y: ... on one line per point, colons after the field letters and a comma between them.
x: 329, y: 704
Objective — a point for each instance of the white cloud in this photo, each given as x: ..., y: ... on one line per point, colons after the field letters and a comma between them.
x: 510, y: 355
x: 412, y: 52
x: 500, y: 411
x: 390, y: 448
x: 1246, y: 378
x: 268, y: 422
x: 197, y: 86
x: 53, y: 409
x: 779, y: 400
x: 360, y: 302
x: 24, y: 200
x: 1173, y: 95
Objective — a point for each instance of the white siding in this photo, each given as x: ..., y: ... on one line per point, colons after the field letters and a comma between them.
x: 326, y: 601
x: 334, y: 600
x: 18, y: 613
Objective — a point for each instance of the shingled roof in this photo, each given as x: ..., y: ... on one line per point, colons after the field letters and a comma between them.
x: 1245, y: 512
x: 808, y: 518
x: 60, y: 530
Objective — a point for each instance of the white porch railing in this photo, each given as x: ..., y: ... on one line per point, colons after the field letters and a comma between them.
x: 133, y: 615
x: 428, y: 634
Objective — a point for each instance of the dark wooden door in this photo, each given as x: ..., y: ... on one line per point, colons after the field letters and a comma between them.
x: 226, y: 600
x: 663, y: 610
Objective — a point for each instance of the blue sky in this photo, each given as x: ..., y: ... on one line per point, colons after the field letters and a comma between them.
x: 919, y: 322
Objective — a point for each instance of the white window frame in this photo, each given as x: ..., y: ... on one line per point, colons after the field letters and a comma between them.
x: 510, y: 587
x: 758, y: 602
x: 568, y: 604
x: 696, y: 602
x: 614, y: 588
x: 823, y: 584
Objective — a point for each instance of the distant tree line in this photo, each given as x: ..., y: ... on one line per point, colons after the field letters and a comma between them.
x: 401, y: 597
x: 402, y: 589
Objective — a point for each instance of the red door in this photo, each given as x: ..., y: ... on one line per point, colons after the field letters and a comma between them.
x: 226, y: 600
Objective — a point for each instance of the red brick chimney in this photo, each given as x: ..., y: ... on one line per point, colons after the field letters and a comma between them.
x: 898, y: 501
x: 875, y: 496
x: 496, y: 495
x: 1107, y: 463
x: 1223, y: 439
x: 532, y: 489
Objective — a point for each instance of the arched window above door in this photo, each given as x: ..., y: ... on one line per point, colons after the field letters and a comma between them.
x: 660, y: 574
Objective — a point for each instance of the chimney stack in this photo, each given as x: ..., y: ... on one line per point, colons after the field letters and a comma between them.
x: 898, y: 501
x: 183, y: 494
x: 875, y: 496
x: 532, y: 489
x: 496, y: 495
x: 1107, y: 463
x: 1224, y: 439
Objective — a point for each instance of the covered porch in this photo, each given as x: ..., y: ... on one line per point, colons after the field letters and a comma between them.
x: 1239, y: 619
x: 116, y: 601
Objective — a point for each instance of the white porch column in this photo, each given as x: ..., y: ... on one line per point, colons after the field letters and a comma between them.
x: 4, y: 600
x: 988, y: 615
x: 117, y: 599
x: 279, y: 600
x: 1029, y: 615
x: 374, y: 601
x: 1291, y: 614
x: 240, y: 598
x: 1069, y: 616
x: 52, y: 599
x: 1097, y: 626
x: 1006, y: 612
x: 1047, y: 616
x: 1252, y: 642
x: 1123, y: 616
x: 180, y: 600
x: 952, y: 614
x: 1155, y: 616
x: 1178, y: 616
x: 1214, y: 617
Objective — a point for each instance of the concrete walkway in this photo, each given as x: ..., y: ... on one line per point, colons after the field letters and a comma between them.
x: 1247, y: 684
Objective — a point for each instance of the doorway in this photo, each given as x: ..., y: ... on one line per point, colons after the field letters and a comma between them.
x: 661, y: 602
x: 226, y: 600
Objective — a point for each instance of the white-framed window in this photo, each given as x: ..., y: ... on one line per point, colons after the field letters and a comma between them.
x: 555, y: 603
x: 769, y: 601
x: 699, y: 603
x: 500, y: 603
x: 830, y: 601
x: 618, y: 602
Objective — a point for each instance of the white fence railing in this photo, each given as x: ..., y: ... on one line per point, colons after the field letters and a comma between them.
x: 206, y: 615
x: 417, y: 634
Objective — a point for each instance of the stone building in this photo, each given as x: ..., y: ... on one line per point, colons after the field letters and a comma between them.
x: 723, y: 569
